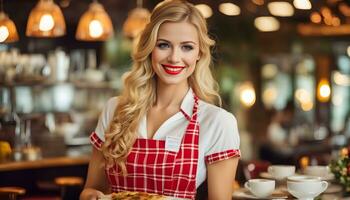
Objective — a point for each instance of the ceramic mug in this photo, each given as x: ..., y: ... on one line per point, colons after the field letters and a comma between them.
x: 317, y: 170
x: 281, y: 171
x: 306, y: 189
x: 260, y: 188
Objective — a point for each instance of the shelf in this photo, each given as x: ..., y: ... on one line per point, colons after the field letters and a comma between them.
x: 44, y: 163
x: 78, y: 84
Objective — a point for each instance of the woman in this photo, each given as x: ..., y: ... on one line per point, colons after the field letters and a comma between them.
x: 164, y: 134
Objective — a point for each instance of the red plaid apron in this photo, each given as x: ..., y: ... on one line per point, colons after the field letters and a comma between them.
x: 153, y: 169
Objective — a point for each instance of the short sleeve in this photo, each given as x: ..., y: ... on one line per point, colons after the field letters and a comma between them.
x: 224, y: 143
x: 97, y: 137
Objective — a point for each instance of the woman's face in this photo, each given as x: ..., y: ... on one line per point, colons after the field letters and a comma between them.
x: 176, y: 52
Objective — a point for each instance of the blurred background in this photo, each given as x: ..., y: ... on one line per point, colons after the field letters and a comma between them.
x: 283, y: 69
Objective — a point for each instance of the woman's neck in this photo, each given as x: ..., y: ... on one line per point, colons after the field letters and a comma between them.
x: 170, y: 95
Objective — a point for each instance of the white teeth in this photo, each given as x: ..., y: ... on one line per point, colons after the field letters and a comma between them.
x: 173, y: 69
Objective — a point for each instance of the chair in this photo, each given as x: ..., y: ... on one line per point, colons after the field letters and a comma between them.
x: 252, y: 169
x: 71, y: 186
x: 70, y: 189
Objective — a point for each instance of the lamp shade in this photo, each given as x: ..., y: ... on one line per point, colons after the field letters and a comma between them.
x: 137, y: 20
x: 8, y: 31
x: 94, y: 24
x: 46, y: 20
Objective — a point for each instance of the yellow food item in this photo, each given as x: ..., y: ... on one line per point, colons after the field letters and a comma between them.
x: 5, y: 150
x: 126, y: 195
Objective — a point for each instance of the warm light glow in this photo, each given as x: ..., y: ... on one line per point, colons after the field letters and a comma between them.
x: 323, y: 90
x: 8, y: 31
x: 205, y: 10
x: 229, y: 9
x: 4, y: 33
x: 344, y: 9
x: 304, y: 99
x: 302, y: 4
x: 269, y: 96
x: 137, y: 20
x: 46, y: 20
x: 341, y: 79
x: 304, y: 162
x: 326, y: 12
x: 280, y: 8
x: 46, y: 23
x: 266, y: 24
x: 348, y: 51
x: 247, y: 94
x: 307, y: 106
x: 335, y: 21
x: 94, y: 24
x: 269, y: 71
x: 315, y: 17
x: 302, y: 96
x: 95, y: 28
x: 258, y: 2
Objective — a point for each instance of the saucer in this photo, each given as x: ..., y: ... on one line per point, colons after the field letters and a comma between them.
x: 332, y: 188
x: 246, y: 194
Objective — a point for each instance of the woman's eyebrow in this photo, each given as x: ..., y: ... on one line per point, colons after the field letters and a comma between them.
x: 184, y: 42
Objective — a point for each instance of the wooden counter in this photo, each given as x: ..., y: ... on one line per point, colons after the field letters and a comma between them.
x: 44, y: 163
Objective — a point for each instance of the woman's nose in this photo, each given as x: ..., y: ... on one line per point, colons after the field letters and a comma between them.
x: 174, y: 56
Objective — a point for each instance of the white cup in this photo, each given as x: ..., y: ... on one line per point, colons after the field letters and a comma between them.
x: 260, y: 188
x: 317, y: 170
x: 280, y: 172
x: 306, y: 189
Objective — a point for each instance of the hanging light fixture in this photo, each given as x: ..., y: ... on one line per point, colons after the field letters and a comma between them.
x: 137, y: 20
x: 95, y: 24
x: 46, y: 20
x: 8, y: 31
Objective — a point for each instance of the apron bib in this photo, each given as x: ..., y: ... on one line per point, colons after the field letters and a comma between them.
x: 163, y: 167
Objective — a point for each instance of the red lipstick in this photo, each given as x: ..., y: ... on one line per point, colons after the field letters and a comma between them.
x: 172, y: 69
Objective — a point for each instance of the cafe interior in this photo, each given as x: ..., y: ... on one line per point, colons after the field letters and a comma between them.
x: 283, y: 67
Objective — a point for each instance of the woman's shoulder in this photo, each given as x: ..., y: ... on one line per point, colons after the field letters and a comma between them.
x: 213, y: 113
x: 112, y: 101
x: 109, y: 108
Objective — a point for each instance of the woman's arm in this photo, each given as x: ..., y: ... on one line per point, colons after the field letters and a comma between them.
x: 96, y: 184
x: 221, y: 176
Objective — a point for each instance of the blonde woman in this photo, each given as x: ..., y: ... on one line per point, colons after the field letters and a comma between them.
x: 165, y: 133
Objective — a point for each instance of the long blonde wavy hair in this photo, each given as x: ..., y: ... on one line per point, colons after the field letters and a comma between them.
x: 139, y: 93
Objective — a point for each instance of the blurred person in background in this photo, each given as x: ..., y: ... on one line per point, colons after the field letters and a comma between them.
x: 281, y: 139
x: 279, y: 130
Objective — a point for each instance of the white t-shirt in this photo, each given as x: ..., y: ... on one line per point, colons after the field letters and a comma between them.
x: 218, y: 133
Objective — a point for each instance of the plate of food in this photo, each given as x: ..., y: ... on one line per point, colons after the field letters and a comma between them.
x: 243, y: 193
x: 128, y: 195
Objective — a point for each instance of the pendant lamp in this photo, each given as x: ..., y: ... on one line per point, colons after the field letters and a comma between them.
x: 8, y: 31
x: 137, y: 20
x: 46, y: 20
x: 94, y: 24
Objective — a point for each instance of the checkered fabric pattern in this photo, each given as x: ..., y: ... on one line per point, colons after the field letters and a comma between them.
x: 153, y: 169
x: 222, y: 155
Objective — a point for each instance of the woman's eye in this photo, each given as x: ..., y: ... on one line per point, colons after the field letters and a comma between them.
x: 162, y: 45
x: 187, y: 47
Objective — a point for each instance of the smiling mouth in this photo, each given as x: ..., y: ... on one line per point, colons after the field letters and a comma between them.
x: 173, y: 70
